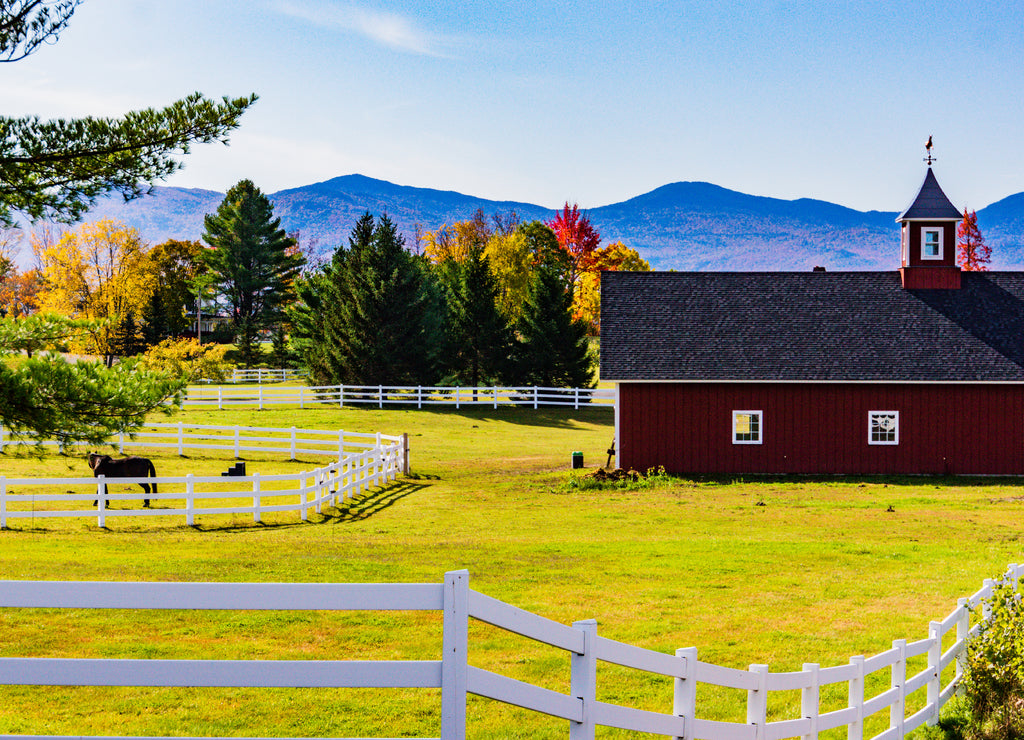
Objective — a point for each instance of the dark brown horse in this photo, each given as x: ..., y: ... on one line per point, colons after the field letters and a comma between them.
x: 125, y: 467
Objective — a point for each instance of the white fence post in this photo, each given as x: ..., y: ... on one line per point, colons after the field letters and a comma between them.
x: 457, y: 394
x: 576, y: 398
x: 303, y: 479
x: 419, y: 399
x: 684, y: 700
x: 963, y: 629
x: 380, y: 396
x: 810, y: 699
x: 190, y: 505
x: 495, y: 396
x: 261, y: 395
x: 181, y: 439
x: 757, y: 701
x: 855, y: 730
x: 302, y: 393
x: 935, y: 684
x: 341, y: 396
x: 120, y: 443
x: 454, y: 658
x: 256, y: 513
x: 237, y: 448
x: 341, y: 444
x: 3, y: 502
x: 898, y: 712
x: 101, y: 501
x: 220, y: 398
x: 293, y: 443
x: 583, y: 680
x: 535, y: 397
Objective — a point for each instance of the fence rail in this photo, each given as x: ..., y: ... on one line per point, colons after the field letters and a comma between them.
x: 452, y: 674
x: 363, y: 461
x: 389, y: 395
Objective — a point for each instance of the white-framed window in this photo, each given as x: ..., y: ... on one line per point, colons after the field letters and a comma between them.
x: 931, y: 243
x: 883, y: 427
x: 747, y: 427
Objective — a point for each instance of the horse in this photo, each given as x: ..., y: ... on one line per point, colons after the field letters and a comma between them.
x: 126, y: 467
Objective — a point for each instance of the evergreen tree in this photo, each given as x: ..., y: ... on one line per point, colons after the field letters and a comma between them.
x: 370, y: 317
x: 553, y: 350
x: 479, y: 337
x: 154, y: 320
x: 56, y: 169
x: 254, y: 262
x: 127, y: 340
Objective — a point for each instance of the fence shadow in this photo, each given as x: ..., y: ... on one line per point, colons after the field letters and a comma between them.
x: 363, y: 507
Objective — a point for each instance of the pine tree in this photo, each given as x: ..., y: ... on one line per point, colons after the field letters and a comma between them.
x: 553, y: 350
x: 479, y: 337
x: 254, y: 261
x: 371, y: 316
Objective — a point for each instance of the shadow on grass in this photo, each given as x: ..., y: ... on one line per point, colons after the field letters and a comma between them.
x: 364, y: 507
x: 552, y: 417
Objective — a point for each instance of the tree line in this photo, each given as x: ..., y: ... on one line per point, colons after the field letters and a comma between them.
x: 477, y: 302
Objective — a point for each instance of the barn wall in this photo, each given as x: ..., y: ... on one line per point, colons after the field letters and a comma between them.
x: 822, y: 428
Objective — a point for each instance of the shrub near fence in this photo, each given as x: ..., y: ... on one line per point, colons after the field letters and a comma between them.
x: 376, y: 460
x: 456, y: 678
x: 385, y: 395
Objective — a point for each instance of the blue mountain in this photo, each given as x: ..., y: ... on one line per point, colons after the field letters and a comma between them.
x: 681, y: 226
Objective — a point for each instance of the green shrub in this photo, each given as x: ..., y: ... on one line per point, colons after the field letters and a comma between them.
x: 993, y: 684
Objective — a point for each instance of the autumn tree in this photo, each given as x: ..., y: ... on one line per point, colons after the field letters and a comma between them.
x: 578, y: 238
x: 99, y: 271
x: 56, y: 169
x: 254, y: 263
x: 972, y: 254
x: 19, y: 292
x: 587, y: 297
x: 175, y: 266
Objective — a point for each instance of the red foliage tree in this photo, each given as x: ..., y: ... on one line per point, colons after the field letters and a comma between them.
x: 578, y: 237
x: 972, y: 254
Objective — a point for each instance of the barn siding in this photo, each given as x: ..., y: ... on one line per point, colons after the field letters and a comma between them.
x: 823, y: 428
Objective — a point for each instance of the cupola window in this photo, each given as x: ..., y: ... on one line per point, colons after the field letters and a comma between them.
x: 931, y: 244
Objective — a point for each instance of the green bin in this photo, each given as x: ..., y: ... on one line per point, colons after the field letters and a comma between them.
x: 577, y: 460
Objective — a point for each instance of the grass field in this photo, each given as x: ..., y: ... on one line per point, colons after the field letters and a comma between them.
x: 819, y: 572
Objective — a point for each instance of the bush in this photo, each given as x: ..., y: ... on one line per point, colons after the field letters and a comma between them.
x: 188, y: 359
x: 993, y: 683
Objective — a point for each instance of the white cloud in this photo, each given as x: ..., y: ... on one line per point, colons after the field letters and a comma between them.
x: 388, y: 29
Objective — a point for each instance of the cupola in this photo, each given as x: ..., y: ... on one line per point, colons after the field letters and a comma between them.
x: 928, y: 237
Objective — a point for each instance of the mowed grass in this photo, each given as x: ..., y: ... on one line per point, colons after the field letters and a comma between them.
x: 779, y: 571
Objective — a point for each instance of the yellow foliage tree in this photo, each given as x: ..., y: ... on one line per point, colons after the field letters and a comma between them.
x: 511, y: 263
x: 456, y: 242
x: 189, y: 360
x: 99, y: 270
x: 586, y: 300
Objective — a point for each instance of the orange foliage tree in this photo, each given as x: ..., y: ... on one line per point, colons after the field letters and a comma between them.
x: 972, y: 254
x: 578, y: 237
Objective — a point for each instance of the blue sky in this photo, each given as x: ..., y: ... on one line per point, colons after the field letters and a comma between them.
x: 593, y: 102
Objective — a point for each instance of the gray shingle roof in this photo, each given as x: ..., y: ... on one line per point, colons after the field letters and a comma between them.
x: 931, y: 202
x: 838, y: 326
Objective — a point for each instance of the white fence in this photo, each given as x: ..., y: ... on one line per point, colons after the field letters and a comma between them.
x: 363, y: 461
x: 388, y: 395
x: 263, y: 375
x: 456, y: 678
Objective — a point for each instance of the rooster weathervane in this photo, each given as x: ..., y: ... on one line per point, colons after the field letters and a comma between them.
x: 928, y: 147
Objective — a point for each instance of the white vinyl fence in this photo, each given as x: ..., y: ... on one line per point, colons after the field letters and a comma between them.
x: 362, y: 461
x: 263, y: 375
x: 387, y: 395
x: 456, y: 678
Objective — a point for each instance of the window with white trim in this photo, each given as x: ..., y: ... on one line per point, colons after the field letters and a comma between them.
x: 746, y: 427
x: 883, y: 427
x: 931, y: 243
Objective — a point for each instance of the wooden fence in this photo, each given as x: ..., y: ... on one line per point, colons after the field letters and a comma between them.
x: 456, y: 678
x: 387, y: 395
x: 363, y: 461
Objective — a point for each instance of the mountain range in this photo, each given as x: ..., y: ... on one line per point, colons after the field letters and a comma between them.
x: 681, y: 226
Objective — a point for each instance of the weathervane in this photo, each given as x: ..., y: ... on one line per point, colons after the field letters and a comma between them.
x: 929, y: 159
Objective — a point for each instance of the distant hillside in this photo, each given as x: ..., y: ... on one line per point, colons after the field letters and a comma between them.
x: 681, y: 226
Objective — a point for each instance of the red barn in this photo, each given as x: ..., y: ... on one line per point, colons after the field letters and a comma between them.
x: 917, y: 370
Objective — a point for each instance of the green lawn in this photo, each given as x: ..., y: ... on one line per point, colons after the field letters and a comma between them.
x: 819, y: 572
